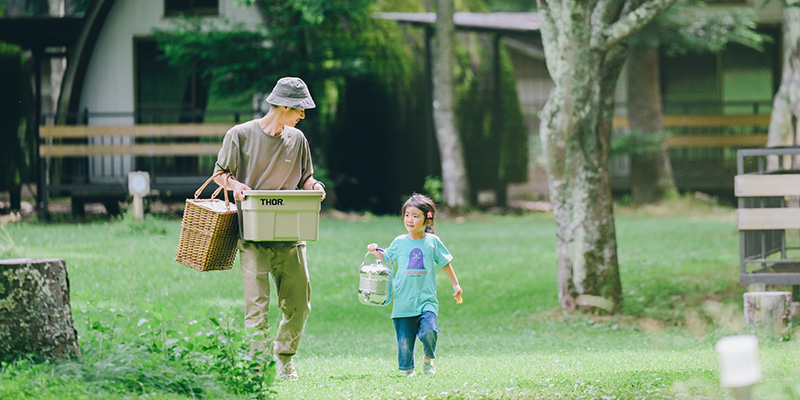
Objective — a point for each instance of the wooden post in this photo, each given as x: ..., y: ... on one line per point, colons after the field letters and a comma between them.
x: 772, y: 310
x: 35, y: 312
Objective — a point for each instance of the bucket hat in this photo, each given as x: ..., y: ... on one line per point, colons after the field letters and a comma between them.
x: 291, y: 92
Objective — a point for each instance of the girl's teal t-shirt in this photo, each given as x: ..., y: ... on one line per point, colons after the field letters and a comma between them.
x: 414, y: 290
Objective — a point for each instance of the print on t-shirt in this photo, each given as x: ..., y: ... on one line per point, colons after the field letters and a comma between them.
x: 415, y: 261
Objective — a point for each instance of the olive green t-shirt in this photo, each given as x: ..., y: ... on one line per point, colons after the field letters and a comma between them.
x: 265, y: 162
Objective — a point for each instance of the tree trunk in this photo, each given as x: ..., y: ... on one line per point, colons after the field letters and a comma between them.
x: 575, y: 134
x: 35, y: 312
x: 651, y: 171
x: 454, y: 175
x: 783, y: 125
x: 584, y: 53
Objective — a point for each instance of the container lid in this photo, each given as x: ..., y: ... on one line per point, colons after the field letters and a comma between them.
x: 283, y: 193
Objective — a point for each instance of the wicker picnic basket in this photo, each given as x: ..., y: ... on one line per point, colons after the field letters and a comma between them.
x: 209, y: 232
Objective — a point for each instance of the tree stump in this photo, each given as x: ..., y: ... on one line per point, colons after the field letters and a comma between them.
x: 771, y: 310
x: 35, y: 312
x: 794, y: 310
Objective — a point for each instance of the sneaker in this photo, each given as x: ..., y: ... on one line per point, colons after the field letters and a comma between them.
x: 428, y: 368
x: 286, y: 370
x: 410, y: 373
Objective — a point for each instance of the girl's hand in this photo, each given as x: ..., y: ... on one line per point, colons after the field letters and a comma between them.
x: 372, y: 248
x: 457, y: 294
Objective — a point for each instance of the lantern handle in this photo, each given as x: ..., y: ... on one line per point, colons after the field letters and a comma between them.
x: 382, y: 251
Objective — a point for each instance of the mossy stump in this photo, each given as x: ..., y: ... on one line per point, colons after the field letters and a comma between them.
x: 35, y: 312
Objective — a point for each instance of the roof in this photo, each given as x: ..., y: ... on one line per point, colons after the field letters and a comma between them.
x: 497, y: 22
x: 39, y: 32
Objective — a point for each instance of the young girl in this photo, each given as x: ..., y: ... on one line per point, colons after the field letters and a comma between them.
x: 415, y: 302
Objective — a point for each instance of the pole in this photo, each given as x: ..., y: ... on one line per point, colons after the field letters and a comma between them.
x: 41, y: 181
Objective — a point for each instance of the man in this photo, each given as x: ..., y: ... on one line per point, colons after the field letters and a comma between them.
x: 269, y: 153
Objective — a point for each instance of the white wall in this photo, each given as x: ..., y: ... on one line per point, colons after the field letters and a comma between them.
x: 109, y: 83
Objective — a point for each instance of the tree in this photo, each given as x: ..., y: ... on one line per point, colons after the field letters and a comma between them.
x: 651, y: 171
x: 318, y: 40
x: 784, y: 125
x: 585, y: 50
x: 454, y: 175
x: 682, y: 29
x: 15, y: 168
x: 366, y: 76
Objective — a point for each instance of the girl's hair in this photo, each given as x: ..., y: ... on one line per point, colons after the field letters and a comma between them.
x: 424, y: 204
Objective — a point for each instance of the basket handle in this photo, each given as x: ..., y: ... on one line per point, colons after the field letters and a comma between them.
x: 216, y: 192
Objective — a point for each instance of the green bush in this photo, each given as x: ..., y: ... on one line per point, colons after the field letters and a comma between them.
x: 16, y: 147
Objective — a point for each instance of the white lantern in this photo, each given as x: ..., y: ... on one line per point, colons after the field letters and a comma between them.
x: 738, y: 357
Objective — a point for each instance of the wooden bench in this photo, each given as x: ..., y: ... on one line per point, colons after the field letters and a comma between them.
x: 151, y: 140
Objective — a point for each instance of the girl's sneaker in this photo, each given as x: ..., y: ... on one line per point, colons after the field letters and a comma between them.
x: 410, y: 373
x: 427, y: 367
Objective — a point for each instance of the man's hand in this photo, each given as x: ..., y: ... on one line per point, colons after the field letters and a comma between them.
x: 313, y: 184
x: 318, y: 186
x: 233, y: 185
x: 238, y: 189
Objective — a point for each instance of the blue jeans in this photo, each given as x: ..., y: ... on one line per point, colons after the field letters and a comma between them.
x: 408, y: 330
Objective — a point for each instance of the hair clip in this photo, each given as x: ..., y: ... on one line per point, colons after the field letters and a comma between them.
x: 430, y: 215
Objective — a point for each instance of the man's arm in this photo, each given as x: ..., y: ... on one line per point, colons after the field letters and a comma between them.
x: 232, y: 184
x: 313, y: 184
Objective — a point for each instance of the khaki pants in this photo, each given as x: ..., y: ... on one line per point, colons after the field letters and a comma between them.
x: 287, y: 265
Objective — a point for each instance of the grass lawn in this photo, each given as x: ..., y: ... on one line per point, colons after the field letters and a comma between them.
x: 140, y: 316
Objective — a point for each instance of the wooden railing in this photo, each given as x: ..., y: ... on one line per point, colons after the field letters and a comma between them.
x: 716, y: 124
x: 56, y: 140
x: 699, y: 142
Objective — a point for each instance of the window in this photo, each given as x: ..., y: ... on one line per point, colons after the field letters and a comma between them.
x: 166, y: 94
x: 174, y: 8
x: 737, y: 80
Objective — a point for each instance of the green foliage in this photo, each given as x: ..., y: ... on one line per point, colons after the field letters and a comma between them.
x: 16, y: 165
x: 366, y: 76
x: 690, y: 26
x: 223, y: 54
x: 636, y: 142
x: 8, y: 248
x: 308, y: 38
x: 361, y: 72
x: 149, y: 225
x: 493, y: 134
x: 433, y: 186
x: 159, y: 356
x: 511, y: 5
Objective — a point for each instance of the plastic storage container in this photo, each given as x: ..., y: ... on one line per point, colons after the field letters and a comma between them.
x: 279, y: 215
